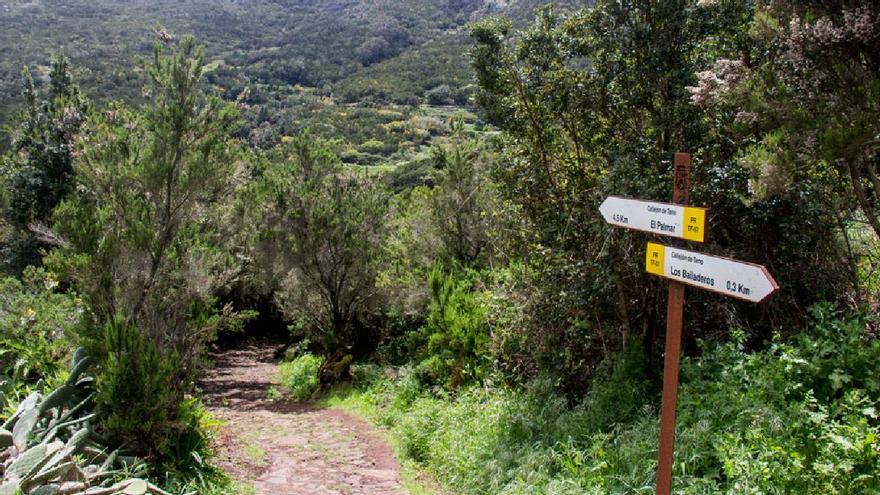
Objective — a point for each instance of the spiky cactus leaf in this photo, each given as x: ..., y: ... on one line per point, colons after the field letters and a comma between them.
x: 78, y: 370
x: 108, y: 462
x: 27, y: 460
x: 58, y: 397
x: 52, y: 489
x: 73, y: 487
x: 28, y: 403
x: 78, y: 355
x: 24, y: 427
x: 48, y: 474
x: 76, y: 441
x: 28, y: 464
x: 136, y: 487
x: 10, y: 488
x: 77, y: 408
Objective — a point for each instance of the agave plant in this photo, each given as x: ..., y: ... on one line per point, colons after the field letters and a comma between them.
x: 48, y: 446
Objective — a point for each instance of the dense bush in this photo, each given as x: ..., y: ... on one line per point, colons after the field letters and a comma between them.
x: 136, y: 390
x: 798, y: 417
x: 456, y: 331
x: 300, y: 376
x: 37, y: 332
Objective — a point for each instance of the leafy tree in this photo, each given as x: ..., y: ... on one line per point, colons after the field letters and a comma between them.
x: 38, y: 171
x: 813, y: 98
x: 596, y: 104
x: 140, y: 234
x: 463, y: 196
x: 325, y: 227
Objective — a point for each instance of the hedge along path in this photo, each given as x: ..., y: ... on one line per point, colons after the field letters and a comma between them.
x: 279, y: 447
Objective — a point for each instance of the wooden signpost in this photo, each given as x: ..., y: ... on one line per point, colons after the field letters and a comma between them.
x: 745, y: 281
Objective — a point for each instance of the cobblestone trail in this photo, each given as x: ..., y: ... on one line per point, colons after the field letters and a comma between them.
x: 277, y: 447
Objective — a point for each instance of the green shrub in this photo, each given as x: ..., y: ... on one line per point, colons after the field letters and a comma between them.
x: 457, y: 330
x: 36, y: 332
x: 137, y: 393
x: 373, y: 146
x: 300, y: 376
x: 186, y: 464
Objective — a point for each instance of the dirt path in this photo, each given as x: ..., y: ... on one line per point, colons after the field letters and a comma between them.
x: 277, y: 447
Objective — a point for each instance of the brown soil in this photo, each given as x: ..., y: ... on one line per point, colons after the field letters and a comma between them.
x: 280, y: 447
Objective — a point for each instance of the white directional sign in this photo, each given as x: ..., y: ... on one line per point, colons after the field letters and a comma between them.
x: 733, y: 278
x: 668, y: 219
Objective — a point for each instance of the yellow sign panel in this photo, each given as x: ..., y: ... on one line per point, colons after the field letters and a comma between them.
x: 654, y: 262
x: 694, y: 224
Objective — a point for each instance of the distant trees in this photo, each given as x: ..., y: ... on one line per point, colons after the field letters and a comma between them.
x: 373, y: 50
x: 462, y: 202
x: 38, y: 171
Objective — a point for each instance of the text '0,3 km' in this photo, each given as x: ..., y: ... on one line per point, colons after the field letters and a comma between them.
x: 667, y: 219
x: 733, y: 278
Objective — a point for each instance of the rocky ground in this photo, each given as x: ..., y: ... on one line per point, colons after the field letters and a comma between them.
x: 278, y: 447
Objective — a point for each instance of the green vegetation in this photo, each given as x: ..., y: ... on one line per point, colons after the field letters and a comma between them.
x: 53, y: 444
x: 39, y: 170
x: 769, y: 421
x: 37, y: 324
x: 300, y: 376
x: 419, y: 211
x: 143, y: 202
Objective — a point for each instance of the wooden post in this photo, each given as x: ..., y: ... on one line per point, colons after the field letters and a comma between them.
x: 674, y: 317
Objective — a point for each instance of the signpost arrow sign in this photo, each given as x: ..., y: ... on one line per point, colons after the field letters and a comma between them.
x: 667, y: 219
x: 733, y: 278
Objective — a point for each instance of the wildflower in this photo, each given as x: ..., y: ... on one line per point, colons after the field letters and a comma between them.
x: 861, y: 24
x: 748, y: 118
x: 713, y: 84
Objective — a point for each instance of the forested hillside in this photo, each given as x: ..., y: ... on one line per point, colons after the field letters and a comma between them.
x: 360, y: 247
x: 292, y: 56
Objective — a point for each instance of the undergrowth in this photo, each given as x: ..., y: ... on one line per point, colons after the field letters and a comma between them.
x: 300, y: 376
x: 797, y: 417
